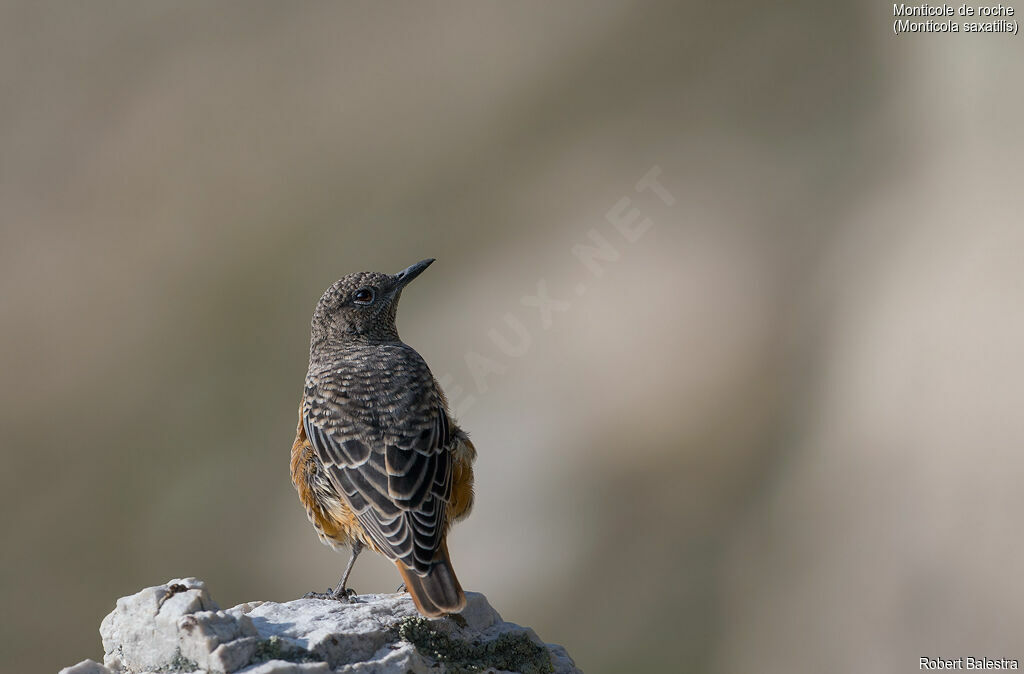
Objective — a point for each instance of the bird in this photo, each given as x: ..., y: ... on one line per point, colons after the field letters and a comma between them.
x: 378, y: 460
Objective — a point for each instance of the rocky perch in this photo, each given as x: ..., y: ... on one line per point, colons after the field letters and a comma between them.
x: 177, y: 627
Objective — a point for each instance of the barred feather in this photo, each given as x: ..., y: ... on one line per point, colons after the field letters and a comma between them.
x: 396, y: 477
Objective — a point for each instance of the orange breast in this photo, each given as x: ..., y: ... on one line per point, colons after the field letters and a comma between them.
x: 331, y: 517
x: 462, y: 481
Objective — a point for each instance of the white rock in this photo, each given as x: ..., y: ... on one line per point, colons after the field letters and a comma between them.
x: 285, y: 667
x: 396, y: 657
x: 340, y: 633
x: 221, y: 641
x: 176, y: 627
x: 142, y: 633
x: 86, y: 667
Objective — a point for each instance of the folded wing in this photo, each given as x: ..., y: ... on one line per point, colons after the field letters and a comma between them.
x: 397, y: 479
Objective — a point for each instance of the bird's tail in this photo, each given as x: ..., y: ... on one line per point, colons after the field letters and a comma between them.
x: 438, y: 592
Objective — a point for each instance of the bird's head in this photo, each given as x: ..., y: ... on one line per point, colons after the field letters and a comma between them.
x: 361, y: 307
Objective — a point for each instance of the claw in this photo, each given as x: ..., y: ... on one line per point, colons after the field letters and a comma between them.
x: 347, y: 595
x: 343, y: 594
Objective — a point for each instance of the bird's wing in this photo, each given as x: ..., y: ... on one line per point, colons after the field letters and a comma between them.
x: 394, y: 473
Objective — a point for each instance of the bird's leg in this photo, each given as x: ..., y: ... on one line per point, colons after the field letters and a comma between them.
x: 342, y: 592
x: 401, y: 588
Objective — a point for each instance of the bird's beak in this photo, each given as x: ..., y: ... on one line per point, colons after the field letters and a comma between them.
x: 405, y: 277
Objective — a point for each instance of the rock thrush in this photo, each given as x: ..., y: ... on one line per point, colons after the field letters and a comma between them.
x: 378, y: 460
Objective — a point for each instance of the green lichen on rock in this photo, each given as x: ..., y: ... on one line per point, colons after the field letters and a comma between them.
x: 513, y: 652
x: 179, y: 663
x: 276, y: 648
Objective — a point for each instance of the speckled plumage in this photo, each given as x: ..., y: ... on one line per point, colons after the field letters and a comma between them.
x: 377, y: 459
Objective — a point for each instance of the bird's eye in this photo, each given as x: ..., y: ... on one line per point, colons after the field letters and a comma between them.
x: 363, y: 296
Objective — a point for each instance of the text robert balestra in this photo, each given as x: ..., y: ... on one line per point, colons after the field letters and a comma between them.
x: 968, y: 663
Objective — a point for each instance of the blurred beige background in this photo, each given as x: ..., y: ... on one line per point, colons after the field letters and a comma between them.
x: 779, y: 433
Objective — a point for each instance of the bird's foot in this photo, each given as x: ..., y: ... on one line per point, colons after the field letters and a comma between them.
x: 401, y: 588
x: 345, y: 594
x: 338, y: 594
